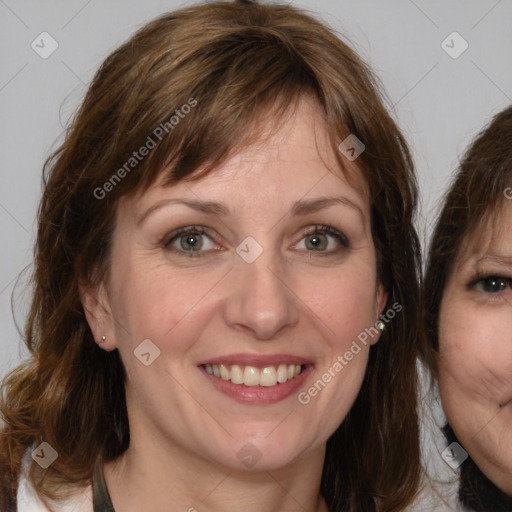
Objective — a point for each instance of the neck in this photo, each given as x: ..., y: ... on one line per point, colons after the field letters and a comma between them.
x: 154, y: 473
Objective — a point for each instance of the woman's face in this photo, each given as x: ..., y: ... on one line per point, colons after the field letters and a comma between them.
x: 475, y: 344
x: 274, y: 266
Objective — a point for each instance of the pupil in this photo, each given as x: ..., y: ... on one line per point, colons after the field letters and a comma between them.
x: 191, y: 241
x: 316, y: 241
x: 495, y: 285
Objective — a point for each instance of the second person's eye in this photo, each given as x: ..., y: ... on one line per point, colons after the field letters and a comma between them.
x: 492, y: 284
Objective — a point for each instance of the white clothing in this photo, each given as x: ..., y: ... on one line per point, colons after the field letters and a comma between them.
x: 28, y: 500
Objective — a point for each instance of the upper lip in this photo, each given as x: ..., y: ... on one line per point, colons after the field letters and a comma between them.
x: 259, y: 361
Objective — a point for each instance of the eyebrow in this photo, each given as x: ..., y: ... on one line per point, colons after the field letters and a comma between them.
x: 301, y: 207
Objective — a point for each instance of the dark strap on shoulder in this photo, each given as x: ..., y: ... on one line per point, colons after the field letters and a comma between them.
x: 101, y: 497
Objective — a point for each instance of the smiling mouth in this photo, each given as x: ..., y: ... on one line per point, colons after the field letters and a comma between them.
x: 255, y: 377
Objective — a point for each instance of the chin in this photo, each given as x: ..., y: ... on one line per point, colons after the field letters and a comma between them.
x: 270, y: 453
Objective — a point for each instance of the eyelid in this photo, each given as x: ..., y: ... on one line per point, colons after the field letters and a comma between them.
x: 166, y: 241
x: 482, y: 276
x: 327, y: 230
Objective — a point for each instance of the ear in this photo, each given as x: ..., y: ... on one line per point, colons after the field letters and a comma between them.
x: 381, y: 298
x: 97, y: 310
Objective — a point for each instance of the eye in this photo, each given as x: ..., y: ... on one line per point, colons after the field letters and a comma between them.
x: 194, y: 241
x: 317, y: 239
x: 492, y: 284
x: 188, y: 241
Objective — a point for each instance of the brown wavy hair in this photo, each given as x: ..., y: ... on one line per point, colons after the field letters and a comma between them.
x: 475, y: 197
x: 234, y: 59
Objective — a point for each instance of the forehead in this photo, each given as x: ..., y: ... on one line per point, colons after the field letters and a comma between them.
x: 287, y: 157
x: 492, y: 237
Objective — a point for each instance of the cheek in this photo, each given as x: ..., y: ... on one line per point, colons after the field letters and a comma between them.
x: 476, y: 352
x: 342, y: 304
x: 343, y: 314
x: 153, y: 301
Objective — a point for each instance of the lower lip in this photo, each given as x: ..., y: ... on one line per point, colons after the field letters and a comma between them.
x: 259, y: 395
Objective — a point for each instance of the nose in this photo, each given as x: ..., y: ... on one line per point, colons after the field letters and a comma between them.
x: 261, y: 301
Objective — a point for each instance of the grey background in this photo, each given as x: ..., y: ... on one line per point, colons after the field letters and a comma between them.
x: 439, y: 102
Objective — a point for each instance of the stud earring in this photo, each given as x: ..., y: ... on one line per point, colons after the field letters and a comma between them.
x: 380, y: 325
x: 103, y: 338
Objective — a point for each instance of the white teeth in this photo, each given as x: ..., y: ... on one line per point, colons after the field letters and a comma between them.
x: 268, y: 376
x: 252, y: 376
x: 282, y: 373
x: 236, y: 375
x: 224, y: 372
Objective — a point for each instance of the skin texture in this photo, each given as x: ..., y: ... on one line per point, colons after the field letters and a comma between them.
x: 185, y: 434
x: 475, y: 362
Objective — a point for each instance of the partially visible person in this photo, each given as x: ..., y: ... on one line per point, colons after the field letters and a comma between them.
x: 468, y: 294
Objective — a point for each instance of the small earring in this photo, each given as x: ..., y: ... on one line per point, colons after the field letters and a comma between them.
x: 380, y: 325
x: 103, y: 338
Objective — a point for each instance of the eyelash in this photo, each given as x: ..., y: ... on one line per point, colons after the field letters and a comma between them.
x: 481, y: 277
x: 199, y: 230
